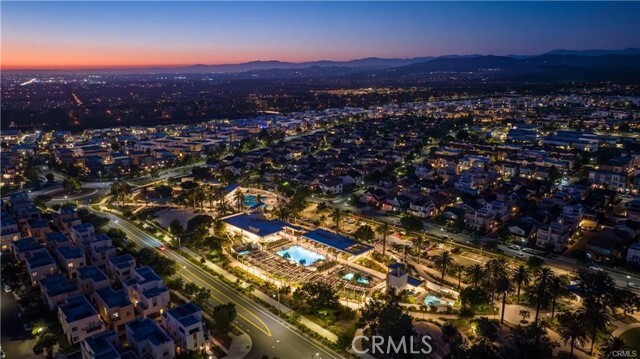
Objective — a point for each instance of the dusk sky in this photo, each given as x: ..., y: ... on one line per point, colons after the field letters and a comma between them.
x: 113, y: 34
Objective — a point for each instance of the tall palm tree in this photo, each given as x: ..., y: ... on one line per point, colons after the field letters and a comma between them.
x: 417, y: 246
x: 542, y: 277
x: 611, y: 345
x: 458, y: 270
x: 239, y: 198
x: 475, y: 274
x: 521, y: 277
x: 594, y: 318
x: 384, y: 230
x: 504, y: 286
x: 337, y: 216
x: 557, y: 287
x: 572, y: 330
x: 443, y: 261
x: 496, y: 269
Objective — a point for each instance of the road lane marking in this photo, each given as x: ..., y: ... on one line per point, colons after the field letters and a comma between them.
x: 267, y: 331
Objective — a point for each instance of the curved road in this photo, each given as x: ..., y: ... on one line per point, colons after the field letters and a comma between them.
x: 271, y: 335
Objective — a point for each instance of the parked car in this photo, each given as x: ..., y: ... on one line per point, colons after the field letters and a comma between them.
x: 596, y: 268
x: 7, y: 288
x: 633, y: 285
x: 515, y: 247
x: 520, y: 255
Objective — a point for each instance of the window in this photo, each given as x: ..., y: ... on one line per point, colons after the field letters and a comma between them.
x: 74, y: 329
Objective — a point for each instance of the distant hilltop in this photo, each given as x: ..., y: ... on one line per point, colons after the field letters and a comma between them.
x: 369, y: 63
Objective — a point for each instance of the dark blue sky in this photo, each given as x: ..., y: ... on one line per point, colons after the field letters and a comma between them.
x: 88, y: 34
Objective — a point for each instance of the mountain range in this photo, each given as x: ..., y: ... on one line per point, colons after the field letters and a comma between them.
x: 561, y: 65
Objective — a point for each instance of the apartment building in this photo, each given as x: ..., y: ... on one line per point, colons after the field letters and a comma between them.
x: 185, y: 325
x: 79, y: 319
x: 148, y: 292
x: 148, y: 340
x: 115, y: 308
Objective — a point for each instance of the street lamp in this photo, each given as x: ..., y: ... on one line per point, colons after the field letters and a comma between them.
x: 317, y: 354
x: 279, y: 306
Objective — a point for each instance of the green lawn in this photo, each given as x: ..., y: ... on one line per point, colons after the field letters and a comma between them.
x: 632, y: 338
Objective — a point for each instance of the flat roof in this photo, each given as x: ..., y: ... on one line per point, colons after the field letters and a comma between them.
x: 91, y: 272
x: 113, y: 298
x: 257, y: 225
x: 58, y: 284
x: 336, y: 241
x: 147, y: 329
x: 76, y: 308
x: 40, y: 259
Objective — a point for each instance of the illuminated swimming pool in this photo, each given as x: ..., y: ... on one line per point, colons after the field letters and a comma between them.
x: 250, y: 200
x: 361, y: 280
x: 301, y: 255
x: 435, y: 301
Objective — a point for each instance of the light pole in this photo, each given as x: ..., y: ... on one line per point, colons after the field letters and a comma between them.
x: 317, y: 354
x: 277, y: 295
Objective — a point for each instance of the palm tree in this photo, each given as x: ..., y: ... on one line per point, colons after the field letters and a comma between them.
x: 443, y: 261
x: 458, y: 269
x: 417, y: 244
x: 475, y: 274
x: 542, y: 278
x: 557, y: 287
x: 505, y: 286
x: 611, y: 345
x: 594, y: 318
x: 572, y: 330
x: 496, y: 269
x: 522, y: 277
x: 223, y: 207
x: 337, y: 216
x: 239, y: 198
x: 384, y: 230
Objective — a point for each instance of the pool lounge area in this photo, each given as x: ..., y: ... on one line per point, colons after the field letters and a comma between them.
x: 301, y: 255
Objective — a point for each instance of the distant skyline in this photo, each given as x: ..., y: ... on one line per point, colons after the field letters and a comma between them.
x: 59, y: 35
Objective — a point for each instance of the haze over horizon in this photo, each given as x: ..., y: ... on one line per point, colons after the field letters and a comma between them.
x: 91, y: 35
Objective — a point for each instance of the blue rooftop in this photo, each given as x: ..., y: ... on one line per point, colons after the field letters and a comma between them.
x: 147, y: 329
x: 337, y: 241
x: 40, y: 260
x: 258, y: 225
x: 26, y: 244
x: 58, y: 237
x: 70, y: 253
x: 83, y: 227
x: 57, y: 284
x: 91, y: 272
x: 187, y: 314
x: 102, y: 346
x: 76, y: 308
x: 123, y: 261
x: 414, y: 281
x: 113, y: 298
x: 147, y: 274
